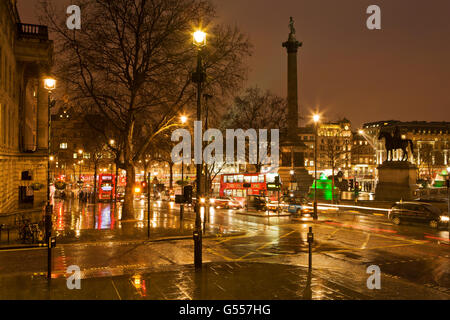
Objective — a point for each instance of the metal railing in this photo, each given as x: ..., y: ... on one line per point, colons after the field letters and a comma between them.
x: 32, y: 31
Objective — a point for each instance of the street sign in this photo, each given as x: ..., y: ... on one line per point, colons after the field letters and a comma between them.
x: 273, y: 187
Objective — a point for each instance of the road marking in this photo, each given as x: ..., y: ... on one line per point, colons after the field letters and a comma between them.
x: 183, y: 291
x: 220, y: 255
x: 365, y: 243
x: 265, y: 245
x: 117, y: 292
x: 331, y: 251
x: 332, y: 234
x: 236, y: 237
x: 22, y: 249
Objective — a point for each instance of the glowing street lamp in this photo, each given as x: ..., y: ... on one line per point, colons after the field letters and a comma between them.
x: 183, y: 119
x: 199, y: 38
x: 316, y: 119
x: 49, y: 85
x: 198, y: 77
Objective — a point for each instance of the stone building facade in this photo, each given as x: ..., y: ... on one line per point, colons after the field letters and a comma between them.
x: 25, y: 57
x: 334, y: 144
x: 431, y: 141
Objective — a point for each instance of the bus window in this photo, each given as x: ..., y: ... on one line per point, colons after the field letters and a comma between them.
x: 239, y: 193
x: 261, y: 179
x: 240, y: 178
x: 247, y: 179
x: 254, y: 179
x: 228, y: 192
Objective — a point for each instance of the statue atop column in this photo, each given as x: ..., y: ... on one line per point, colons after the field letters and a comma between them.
x: 291, y: 25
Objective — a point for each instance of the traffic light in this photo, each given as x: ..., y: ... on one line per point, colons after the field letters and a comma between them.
x: 143, y: 186
x: 351, y: 184
x: 277, y: 180
x: 356, y: 186
x: 187, y: 191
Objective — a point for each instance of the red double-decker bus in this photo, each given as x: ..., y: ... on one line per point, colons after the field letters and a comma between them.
x: 106, y: 183
x: 239, y: 185
x: 105, y: 186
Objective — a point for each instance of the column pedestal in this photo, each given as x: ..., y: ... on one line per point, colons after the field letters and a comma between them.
x: 396, y: 181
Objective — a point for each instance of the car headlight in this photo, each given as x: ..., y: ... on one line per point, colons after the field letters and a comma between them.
x: 444, y: 218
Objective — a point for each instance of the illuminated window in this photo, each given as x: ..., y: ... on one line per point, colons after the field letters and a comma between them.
x: 75, y: 155
x: 63, y: 145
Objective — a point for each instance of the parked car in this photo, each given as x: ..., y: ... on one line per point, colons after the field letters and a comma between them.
x: 417, y: 212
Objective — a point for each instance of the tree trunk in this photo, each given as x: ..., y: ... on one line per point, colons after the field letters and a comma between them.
x: 116, y: 181
x: 128, y: 204
x: 171, y: 175
x: 332, y: 184
x: 95, y: 182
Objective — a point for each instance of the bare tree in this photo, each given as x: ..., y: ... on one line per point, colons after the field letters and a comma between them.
x: 426, y: 152
x: 337, y: 154
x: 257, y: 109
x: 131, y: 63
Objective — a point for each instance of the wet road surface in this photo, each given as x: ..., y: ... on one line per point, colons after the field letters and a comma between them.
x: 414, y: 260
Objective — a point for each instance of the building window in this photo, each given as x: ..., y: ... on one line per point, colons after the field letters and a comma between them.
x: 75, y: 155
x: 86, y: 155
x: 63, y: 145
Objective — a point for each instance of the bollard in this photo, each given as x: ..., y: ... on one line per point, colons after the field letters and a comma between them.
x: 310, y: 242
x: 197, y: 249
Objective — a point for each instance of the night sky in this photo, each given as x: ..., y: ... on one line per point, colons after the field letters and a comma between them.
x: 400, y: 72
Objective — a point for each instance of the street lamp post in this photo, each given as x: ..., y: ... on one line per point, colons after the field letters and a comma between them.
x: 148, y: 203
x: 316, y: 119
x: 49, y: 85
x: 448, y: 199
x: 207, y: 208
x: 198, y: 77
x: 183, y: 121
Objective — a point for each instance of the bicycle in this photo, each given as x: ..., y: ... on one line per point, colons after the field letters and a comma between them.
x: 29, y: 232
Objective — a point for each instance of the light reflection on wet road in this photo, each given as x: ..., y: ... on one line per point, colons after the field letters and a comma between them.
x: 345, y: 244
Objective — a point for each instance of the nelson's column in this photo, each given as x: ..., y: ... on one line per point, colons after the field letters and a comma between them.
x: 294, y: 176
